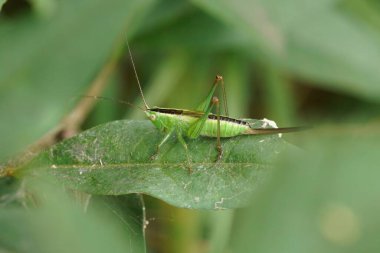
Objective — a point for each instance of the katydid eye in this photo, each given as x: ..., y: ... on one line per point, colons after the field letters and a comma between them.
x: 152, y: 117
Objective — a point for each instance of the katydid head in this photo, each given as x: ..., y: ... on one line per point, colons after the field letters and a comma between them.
x: 154, y: 118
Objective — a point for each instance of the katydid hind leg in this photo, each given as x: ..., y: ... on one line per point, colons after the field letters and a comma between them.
x: 206, y: 107
x: 219, y: 149
x: 206, y: 103
x: 195, y: 129
x: 224, y: 98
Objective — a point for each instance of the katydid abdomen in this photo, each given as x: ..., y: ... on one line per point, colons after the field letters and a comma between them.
x: 168, y: 119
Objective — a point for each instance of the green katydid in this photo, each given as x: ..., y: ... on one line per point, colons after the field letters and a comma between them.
x: 201, y: 122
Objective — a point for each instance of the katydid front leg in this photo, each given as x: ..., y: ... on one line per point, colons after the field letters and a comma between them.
x: 183, y: 142
x: 155, y: 155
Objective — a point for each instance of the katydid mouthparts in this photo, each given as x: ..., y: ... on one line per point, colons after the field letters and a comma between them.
x: 201, y: 122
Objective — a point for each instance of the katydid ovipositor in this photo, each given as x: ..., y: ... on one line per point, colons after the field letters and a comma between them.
x: 201, y: 122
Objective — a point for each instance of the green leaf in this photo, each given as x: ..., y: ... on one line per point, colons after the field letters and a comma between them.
x: 2, y: 2
x: 58, y: 225
x: 44, y: 8
x: 115, y: 158
x: 163, y: 27
x: 323, y: 201
x: 318, y: 40
x: 47, y: 62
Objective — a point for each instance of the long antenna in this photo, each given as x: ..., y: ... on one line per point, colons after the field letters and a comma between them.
x: 137, y: 77
x: 113, y: 100
x: 224, y: 99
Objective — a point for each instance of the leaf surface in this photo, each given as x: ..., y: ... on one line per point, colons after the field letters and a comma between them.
x: 115, y: 158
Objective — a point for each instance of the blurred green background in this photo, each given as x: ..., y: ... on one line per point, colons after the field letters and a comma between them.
x: 298, y: 62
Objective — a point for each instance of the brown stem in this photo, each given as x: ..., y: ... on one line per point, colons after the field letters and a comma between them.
x: 71, y: 123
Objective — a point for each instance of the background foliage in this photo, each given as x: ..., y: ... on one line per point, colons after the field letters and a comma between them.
x: 297, y: 62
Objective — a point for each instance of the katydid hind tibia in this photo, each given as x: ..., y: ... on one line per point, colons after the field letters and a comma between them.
x: 201, y: 122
